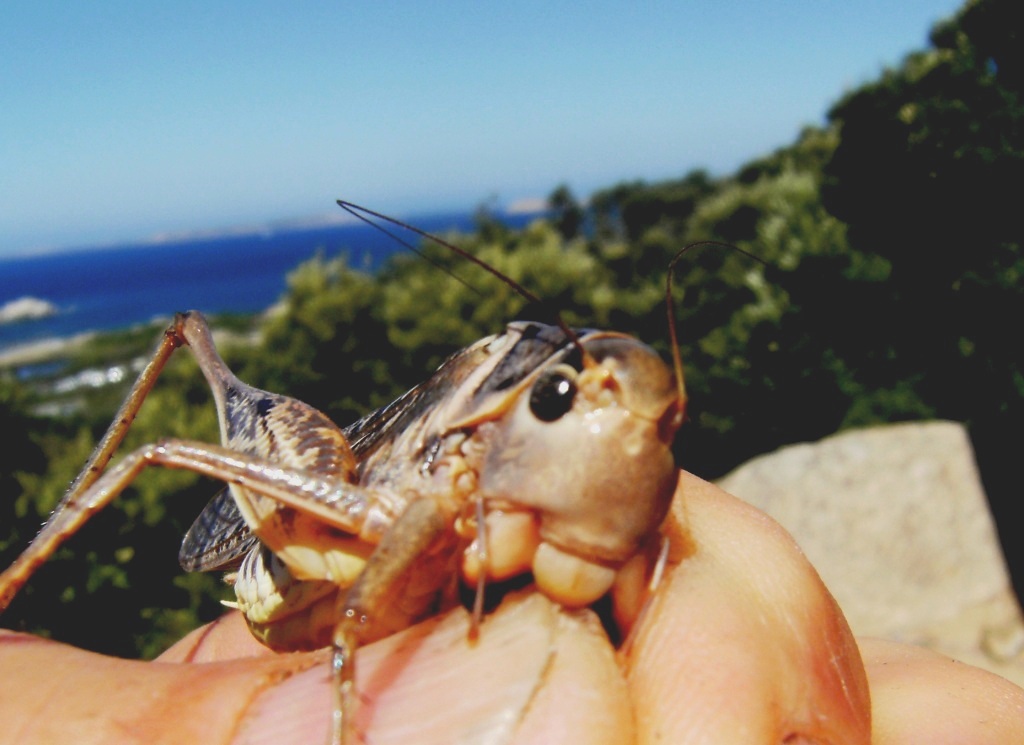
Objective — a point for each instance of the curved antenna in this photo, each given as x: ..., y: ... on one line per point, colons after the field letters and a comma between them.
x: 351, y: 209
x: 356, y: 211
x: 670, y: 309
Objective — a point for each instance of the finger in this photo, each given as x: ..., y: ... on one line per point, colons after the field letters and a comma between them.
x: 919, y: 696
x: 50, y: 692
x: 537, y: 674
x: 227, y: 638
x: 743, y: 643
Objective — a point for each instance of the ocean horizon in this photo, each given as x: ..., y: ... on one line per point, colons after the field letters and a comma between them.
x: 105, y: 289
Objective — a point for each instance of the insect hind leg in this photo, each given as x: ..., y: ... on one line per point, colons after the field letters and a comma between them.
x: 261, y: 429
x: 14, y: 578
x: 336, y: 502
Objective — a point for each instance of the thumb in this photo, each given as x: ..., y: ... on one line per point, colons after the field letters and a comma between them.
x: 743, y: 643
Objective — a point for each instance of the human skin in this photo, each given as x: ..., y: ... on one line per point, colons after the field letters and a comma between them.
x: 741, y: 644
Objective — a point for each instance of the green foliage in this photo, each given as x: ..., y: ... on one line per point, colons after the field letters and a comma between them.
x: 923, y: 177
x: 314, y: 343
x: 627, y: 210
x: 567, y: 213
x: 22, y: 452
x: 947, y: 131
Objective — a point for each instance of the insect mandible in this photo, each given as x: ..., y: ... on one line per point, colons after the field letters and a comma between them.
x: 341, y: 536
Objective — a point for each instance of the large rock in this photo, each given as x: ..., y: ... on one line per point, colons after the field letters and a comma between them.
x: 895, y: 520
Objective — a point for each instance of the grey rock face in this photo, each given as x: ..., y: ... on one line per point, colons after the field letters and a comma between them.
x: 896, y: 522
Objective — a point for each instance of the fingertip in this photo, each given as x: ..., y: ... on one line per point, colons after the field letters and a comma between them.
x: 743, y: 642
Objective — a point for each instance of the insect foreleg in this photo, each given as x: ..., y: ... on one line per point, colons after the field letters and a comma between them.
x: 401, y: 582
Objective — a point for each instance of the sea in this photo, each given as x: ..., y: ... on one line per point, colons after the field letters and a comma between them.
x: 103, y: 289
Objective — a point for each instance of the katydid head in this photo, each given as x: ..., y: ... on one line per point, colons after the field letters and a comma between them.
x: 584, y: 445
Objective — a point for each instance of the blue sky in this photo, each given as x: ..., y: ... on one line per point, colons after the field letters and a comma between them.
x: 121, y: 120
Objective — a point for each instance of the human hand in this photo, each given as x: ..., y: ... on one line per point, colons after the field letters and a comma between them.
x: 741, y: 643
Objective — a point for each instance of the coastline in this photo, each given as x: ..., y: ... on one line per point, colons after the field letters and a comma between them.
x: 59, y: 347
x: 34, y: 352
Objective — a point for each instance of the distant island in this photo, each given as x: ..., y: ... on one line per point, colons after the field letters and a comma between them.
x: 26, y: 309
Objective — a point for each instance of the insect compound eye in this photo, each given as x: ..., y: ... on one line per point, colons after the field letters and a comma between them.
x: 553, y: 393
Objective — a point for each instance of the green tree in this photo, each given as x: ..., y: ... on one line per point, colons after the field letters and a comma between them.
x: 627, y: 210
x: 925, y: 176
x: 567, y: 214
x: 21, y: 452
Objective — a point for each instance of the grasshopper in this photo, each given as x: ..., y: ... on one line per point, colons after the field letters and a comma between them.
x: 341, y: 536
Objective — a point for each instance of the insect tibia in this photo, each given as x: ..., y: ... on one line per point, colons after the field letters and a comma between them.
x: 343, y: 731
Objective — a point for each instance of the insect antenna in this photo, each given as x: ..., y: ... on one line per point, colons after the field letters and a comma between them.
x: 351, y: 209
x: 361, y: 212
x: 670, y: 310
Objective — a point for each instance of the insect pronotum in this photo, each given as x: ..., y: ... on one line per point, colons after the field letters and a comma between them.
x: 340, y: 536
